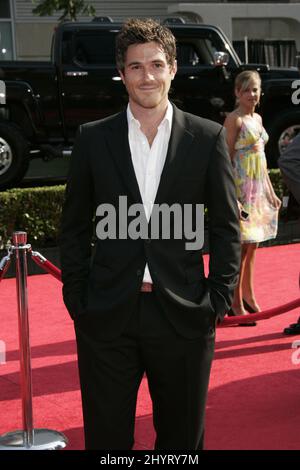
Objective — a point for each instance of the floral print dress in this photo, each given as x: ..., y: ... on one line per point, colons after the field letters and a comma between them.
x: 253, y: 191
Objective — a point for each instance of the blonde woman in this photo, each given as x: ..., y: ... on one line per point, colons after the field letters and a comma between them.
x: 257, y: 200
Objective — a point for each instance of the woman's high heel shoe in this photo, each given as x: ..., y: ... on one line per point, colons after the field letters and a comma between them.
x: 232, y: 313
x: 248, y: 307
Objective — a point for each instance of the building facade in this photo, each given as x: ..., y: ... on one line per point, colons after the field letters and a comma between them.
x: 7, y: 33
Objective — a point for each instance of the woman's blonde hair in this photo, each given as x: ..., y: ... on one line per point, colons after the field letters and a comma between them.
x: 243, y: 79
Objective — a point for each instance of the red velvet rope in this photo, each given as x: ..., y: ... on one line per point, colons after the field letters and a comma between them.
x: 46, y: 265
x: 228, y: 321
x: 4, y: 265
x: 271, y: 312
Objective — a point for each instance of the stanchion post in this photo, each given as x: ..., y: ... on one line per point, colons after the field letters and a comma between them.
x: 29, y: 438
x: 21, y: 247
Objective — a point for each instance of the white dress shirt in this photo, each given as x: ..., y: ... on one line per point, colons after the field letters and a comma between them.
x: 148, y: 162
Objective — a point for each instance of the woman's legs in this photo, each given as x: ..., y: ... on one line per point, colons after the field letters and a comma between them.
x: 247, y: 287
x: 237, y: 303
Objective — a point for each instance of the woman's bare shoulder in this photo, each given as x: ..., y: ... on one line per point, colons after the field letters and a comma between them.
x: 233, y: 120
x: 258, y: 117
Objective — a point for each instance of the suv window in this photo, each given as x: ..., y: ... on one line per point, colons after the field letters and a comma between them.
x: 89, y: 48
x: 187, y: 54
x: 194, y: 50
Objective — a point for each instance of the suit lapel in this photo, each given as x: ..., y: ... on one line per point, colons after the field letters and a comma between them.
x: 118, y: 144
x: 179, y: 145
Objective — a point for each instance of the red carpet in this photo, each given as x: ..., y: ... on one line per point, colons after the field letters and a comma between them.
x: 255, y: 387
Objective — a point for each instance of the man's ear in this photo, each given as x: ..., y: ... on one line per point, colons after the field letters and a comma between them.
x: 174, y: 69
x: 122, y: 76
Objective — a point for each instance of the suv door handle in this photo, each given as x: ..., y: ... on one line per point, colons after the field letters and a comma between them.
x: 75, y: 73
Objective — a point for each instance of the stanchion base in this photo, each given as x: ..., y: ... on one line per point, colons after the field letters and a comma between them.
x: 44, y: 439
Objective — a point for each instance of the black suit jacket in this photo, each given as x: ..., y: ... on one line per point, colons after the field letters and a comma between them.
x: 289, y: 164
x: 101, y: 287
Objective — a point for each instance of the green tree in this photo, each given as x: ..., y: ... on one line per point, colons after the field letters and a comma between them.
x: 71, y: 8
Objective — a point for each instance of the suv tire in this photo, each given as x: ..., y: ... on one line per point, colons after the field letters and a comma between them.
x: 13, y: 155
x: 281, y: 131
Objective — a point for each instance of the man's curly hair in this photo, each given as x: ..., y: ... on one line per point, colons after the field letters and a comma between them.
x: 140, y: 31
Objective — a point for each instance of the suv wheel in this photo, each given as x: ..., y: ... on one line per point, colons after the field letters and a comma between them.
x: 13, y: 156
x: 281, y: 132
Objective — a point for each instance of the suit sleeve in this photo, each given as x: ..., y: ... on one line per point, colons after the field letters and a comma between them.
x: 224, y: 228
x: 289, y: 164
x: 77, y: 226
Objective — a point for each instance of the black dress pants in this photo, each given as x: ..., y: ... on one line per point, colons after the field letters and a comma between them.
x: 177, y: 370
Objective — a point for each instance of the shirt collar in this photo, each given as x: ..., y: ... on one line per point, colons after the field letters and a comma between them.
x: 167, y: 118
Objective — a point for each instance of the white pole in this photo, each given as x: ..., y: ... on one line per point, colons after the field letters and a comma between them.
x: 246, y: 49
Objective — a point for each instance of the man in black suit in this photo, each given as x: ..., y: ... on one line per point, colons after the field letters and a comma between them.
x: 141, y: 303
x: 289, y: 164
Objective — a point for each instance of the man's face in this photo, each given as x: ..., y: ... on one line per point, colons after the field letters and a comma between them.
x: 147, y: 75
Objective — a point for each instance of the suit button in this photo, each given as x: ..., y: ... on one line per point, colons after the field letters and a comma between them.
x: 148, y: 241
x: 139, y: 272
